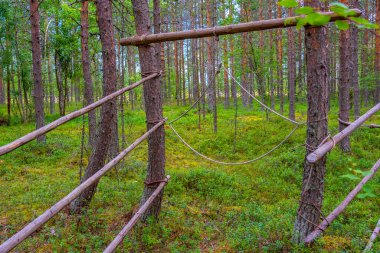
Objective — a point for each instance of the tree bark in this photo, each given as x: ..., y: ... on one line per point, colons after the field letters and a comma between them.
x: 86, y: 65
x: 38, y: 92
x: 103, y: 139
x: 377, y: 56
x: 279, y: 63
x: 345, y: 79
x: 291, y: 70
x: 2, y: 90
x: 355, y: 68
x: 153, y: 110
x: 317, y: 95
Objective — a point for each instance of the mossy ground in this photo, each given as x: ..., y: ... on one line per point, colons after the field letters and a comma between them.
x: 207, y: 207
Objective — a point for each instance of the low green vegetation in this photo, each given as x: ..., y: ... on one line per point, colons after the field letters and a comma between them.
x: 207, y: 207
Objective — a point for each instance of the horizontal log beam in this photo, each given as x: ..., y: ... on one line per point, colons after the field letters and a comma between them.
x: 330, y: 144
x: 334, y: 214
x: 222, y: 30
x: 132, y: 222
x: 48, y: 214
x: 43, y: 130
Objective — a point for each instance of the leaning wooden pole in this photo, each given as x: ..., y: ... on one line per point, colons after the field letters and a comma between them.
x: 43, y: 130
x: 132, y: 222
x: 334, y: 214
x: 330, y: 144
x: 222, y: 30
x: 48, y: 214
x: 376, y: 231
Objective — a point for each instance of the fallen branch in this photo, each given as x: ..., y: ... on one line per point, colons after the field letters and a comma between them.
x: 43, y: 130
x: 332, y: 216
x: 48, y: 214
x: 132, y: 222
x: 365, y: 125
x: 373, y: 237
x: 223, y: 30
x: 331, y: 143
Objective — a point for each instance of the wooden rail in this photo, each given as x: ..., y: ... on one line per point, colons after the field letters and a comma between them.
x: 132, y: 222
x: 330, y: 144
x: 222, y: 30
x: 43, y: 130
x: 48, y: 214
x: 331, y: 217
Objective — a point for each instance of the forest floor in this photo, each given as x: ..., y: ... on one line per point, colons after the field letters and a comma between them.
x: 207, y: 207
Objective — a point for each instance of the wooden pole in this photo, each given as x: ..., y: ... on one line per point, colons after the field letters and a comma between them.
x: 222, y: 30
x: 373, y: 237
x: 330, y: 144
x: 43, y: 130
x: 331, y: 217
x: 132, y: 222
x: 48, y: 214
x: 365, y: 125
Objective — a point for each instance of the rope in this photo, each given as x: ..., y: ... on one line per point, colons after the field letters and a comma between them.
x: 233, y: 163
x: 261, y: 103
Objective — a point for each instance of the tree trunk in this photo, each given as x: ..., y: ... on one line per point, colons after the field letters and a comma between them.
x: 345, y: 79
x: 279, y: 63
x: 2, y: 90
x: 103, y: 139
x: 364, y: 65
x: 86, y: 65
x: 317, y: 95
x: 153, y: 110
x: 38, y: 92
x: 355, y: 63
x: 377, y: 56
x: 291, y: 70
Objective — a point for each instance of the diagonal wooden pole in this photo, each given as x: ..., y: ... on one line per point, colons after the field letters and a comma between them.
x: 48, y: 214
x: 222, y: 30
x: 339, y: 209
x: 132, y: 222
x: 330, y: 144
x: 43, y: 130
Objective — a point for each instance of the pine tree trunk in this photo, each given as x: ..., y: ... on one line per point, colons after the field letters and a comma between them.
x: 86, y: 65
x: 364, y: 63
x: 2, y: 90
x: 38, y: 93
x: 377, y: 56
x: 345, y: 79
x: 355, y: 68
x: 153, y: 107
x: 317, y: 95
x: 103, y: 138
x: 279, y: 63
x: 291, y: 70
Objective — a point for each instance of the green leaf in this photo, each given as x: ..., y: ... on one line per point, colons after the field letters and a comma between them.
x: 350, y: 176
x: 301, y: 23
x: 342, y: 25
x: 288, y: 3
x: 364, y: 23
x: 339, y: 5
x: 304, y: 10
x: 288, y: 21
x: 317, y: 19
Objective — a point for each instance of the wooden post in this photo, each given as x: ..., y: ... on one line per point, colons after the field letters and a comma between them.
x: 376, y: 231
x: 330, y: 144
x: 132, y: 222
x: 48, y: 214
x: 331, y: 217
x: 222, y: 30
x: 31, y: 136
